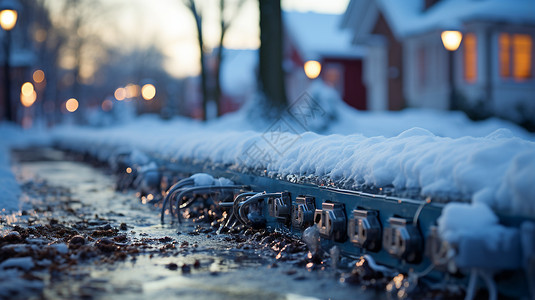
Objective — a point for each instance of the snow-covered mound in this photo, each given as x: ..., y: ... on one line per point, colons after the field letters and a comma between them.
x: 496, y: 169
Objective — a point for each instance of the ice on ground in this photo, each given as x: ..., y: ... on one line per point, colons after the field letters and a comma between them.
x: 22, y: 263
x: 12, y: 285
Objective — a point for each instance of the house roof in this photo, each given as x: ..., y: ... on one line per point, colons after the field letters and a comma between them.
x: 407, y: 17
x: 320, y: 35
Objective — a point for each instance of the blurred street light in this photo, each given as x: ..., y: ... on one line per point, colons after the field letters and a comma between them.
x: 312, y: 69
x: 148, y: 91
x: 120, y: 94
x: 451, y: 40
x: 28, y: 100
x: 27, y: 89
x: 132, y: 90
x: 8, y: 19
x: 27, y: 94
x: 71, y: 105
x: 38, y: 76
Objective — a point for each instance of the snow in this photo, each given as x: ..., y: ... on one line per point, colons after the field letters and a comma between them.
x: 203, y: 179
x: 406, y: 17
x: 490, y: 165
x: 12, y: 136
x: 461, y: 160
x: 461, y: 219
x: 481, y: 242
x: 316, y: 35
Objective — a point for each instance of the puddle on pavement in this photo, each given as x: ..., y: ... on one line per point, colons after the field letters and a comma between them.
x: 209, y: 266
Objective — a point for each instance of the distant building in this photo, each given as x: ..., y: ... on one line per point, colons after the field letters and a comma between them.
x: 406, y: 64
x: 319, y: 37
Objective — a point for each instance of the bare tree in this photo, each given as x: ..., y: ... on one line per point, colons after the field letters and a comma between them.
x: 225, y: 23
x: 204, y: 71
x: 227, y: 13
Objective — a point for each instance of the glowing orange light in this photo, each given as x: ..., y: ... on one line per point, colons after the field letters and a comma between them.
x: 120, y: 94
x: 107, y: 105
x: 8, y: 19
x: 132, y: 90
x: 28, y: 100
x: 27, y: 89
x: 451, y: 39
x: 128, y: 170
x: 38, y: 76
x: 312, y: 69
x: 148, y: 91
x: 71, y: 105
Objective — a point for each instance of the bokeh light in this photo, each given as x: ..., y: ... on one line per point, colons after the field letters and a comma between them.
x: 312, y: 69
x: 120, y: 94
x: 8, y: 19
x: 27, y: 89
x: 451, y: 39
x: 38, y: 76
x: 71, y: 105
x: 107, y: 105
x: 28, y: 99
x: 132, y: 90
x: 148, y: 91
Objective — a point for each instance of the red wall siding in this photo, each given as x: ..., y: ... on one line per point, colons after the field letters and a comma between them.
x: 354, y: 91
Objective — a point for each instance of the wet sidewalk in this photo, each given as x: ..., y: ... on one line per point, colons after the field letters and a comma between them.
x: 84, y: 240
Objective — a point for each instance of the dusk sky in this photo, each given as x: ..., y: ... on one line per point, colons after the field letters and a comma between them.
x: 169, y: 24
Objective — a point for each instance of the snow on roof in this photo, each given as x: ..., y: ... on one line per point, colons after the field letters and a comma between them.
x: 317, y: 35
x: 408, y: 18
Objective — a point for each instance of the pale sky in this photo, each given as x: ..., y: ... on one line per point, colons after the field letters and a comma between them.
x: 168, y: 23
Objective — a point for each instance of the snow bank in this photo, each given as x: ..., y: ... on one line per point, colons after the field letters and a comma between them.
x: 497, y: 169
x: 13, y: 136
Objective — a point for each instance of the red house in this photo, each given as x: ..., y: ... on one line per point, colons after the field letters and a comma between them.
x: 319, y: 37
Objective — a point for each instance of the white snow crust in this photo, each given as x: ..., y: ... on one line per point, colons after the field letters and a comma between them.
x: 494, y: 167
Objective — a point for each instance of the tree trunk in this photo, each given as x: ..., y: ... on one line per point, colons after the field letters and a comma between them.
x: 204, y: 71
x: 218, y: 93
x: 271, y: 58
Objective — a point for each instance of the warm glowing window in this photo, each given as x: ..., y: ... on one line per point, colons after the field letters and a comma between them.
x: 470, y: 57
x: 516, y: 52
x: 522, y: 45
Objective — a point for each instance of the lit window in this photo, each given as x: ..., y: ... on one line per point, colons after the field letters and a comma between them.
x: 515, y: 56
x: 522, y: 56
x: 470, y: 57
